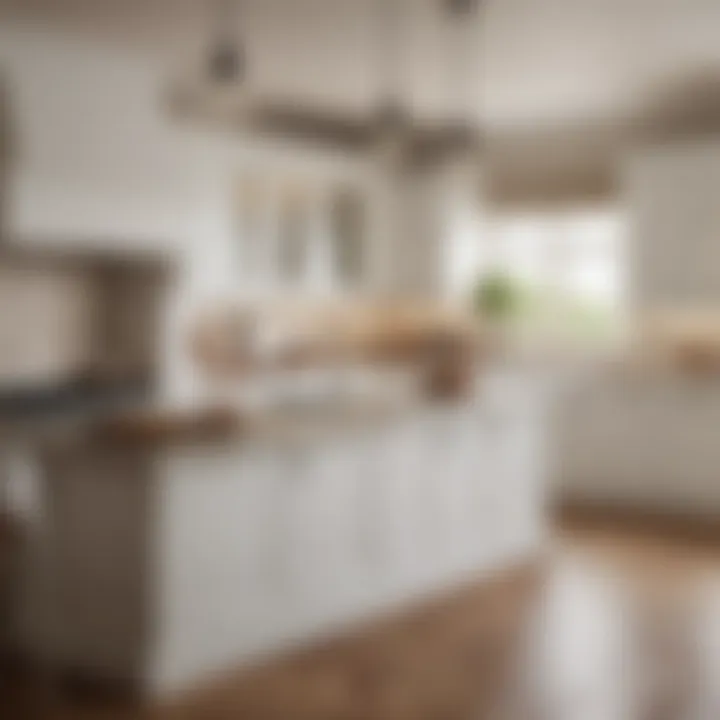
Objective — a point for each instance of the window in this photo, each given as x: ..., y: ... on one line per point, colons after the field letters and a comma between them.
x: 567, y: 268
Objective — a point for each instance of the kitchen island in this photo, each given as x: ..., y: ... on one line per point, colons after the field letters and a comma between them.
x: 166, y: 562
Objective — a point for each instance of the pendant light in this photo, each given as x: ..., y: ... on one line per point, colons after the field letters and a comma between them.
x: 226, y: 59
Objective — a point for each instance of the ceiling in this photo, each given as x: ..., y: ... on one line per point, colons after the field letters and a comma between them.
x: 542, y: 69
x: 534, y: 61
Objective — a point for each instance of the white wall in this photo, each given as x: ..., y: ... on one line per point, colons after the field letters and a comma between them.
x: 93, y: 154
x: 673, y: 192
x: 98, y: 163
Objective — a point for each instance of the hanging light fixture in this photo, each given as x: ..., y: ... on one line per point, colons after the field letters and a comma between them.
x: 226, y: 60
x: 460, y: 8
x: 218, y: 91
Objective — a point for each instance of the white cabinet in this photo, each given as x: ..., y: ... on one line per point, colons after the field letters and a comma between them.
x: 248, y: 547
x: 648, y: 441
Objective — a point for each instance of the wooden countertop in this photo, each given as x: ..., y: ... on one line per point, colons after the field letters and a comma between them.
x: 149, y: 428
x: 157, y: 431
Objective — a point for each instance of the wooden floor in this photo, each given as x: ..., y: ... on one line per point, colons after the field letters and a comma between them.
x: 613, y: 625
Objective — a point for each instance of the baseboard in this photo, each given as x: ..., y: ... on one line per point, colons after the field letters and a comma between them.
x: 697, y: 526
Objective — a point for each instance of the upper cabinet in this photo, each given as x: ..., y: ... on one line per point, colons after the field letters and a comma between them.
x: 250, y: 209
x: 299, y: 233
x: 296, y: 236
x: 349, y: 226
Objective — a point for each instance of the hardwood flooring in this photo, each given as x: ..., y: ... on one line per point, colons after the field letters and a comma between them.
x: 612, y: 625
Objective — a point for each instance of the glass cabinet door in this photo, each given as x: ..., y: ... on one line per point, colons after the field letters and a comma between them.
x: 251, y: 208
x: 299, y: 232
x: 293, y: 235
x: 347, y: 211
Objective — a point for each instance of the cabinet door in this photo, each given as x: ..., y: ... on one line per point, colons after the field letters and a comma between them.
x: 328, y: 509
x: 348, y: 230
x: 437, y: 484
x: 217, y: 545
x: 288, y: 534
x: 487, y: 486
x: 294, y: 236
x: 470, y: 475
x: 372, y: 512
x: 398, y: 463
x: 314, y: 528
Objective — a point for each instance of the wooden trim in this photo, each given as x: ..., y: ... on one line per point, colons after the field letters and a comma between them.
x: 674, y: 524
x: 63, y: 254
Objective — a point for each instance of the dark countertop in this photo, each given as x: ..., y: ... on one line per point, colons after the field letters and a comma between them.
x: 41, y: 413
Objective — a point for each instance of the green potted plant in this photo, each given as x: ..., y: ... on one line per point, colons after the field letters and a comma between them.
x: 496, y: 299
